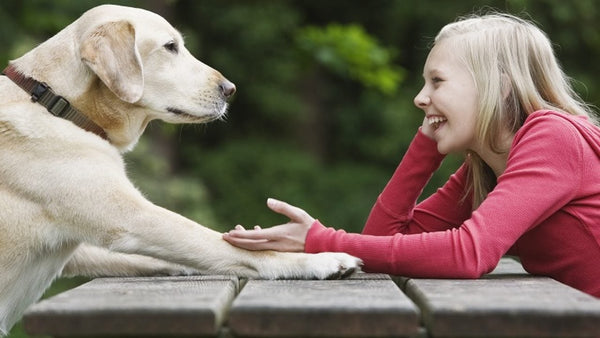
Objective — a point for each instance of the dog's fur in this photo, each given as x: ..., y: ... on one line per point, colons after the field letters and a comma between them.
x: 67, y: 205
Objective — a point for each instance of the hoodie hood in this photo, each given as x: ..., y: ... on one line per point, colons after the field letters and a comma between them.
x: 589, y: 131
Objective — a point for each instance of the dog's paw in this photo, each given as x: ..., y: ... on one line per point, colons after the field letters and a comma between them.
x: 336, y: 265
x: 331, y: 265
x: 293, y: 265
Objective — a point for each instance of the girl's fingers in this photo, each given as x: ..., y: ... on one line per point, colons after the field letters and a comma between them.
x: 288, y: 210
x: 275, y: 238
x: 248, y: 244
x: 256, y: 234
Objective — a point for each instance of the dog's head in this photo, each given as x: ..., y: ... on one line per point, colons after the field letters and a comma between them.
x: 142, y: 59
x: 123, y: 67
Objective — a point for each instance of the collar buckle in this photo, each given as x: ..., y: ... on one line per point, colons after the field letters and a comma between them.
x: 40, y: 89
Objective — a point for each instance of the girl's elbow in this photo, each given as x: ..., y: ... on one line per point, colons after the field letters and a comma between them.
x: 473, y: 274
x: 477, y: 270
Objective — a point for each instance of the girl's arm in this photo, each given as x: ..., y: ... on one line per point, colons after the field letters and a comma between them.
x: 395, y: 211
x: 546, y: 153
x: 447, y: 208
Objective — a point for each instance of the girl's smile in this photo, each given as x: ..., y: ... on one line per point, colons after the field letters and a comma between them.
x: 436, y: 121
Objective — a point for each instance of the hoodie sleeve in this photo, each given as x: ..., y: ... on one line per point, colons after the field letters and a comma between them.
x: 395, y: 210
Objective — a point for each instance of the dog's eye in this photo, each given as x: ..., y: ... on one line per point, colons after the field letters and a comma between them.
x: 172, y: 47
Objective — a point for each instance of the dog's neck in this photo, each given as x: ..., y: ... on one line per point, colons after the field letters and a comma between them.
x: 122, y: 123
x: 55, y: 104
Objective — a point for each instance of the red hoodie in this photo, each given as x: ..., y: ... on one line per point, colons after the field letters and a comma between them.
x: 545, y: 209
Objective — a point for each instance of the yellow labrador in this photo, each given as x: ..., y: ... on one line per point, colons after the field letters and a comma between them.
x: 68, y: 108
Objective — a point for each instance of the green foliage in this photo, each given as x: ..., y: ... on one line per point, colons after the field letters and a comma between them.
x: 351, y: 52
x: 152, y: 175
x: 324, y: 95
x: 242, y: 175
x: 323, y: 111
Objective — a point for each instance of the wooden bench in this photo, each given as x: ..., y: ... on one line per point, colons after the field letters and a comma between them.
x: 505, y: 303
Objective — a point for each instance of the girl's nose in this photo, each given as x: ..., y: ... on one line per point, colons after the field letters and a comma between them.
x: 422, y: 100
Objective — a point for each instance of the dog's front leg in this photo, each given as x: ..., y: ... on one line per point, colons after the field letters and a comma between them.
x: 111, y: 213
x: 163, y: 234
x: 136, y: 226
x: 93, y: 261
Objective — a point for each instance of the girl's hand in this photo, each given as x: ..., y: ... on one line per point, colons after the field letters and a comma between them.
x: 290, y: 236
x: 427, y: 129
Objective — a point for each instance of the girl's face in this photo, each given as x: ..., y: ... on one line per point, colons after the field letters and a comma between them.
x: 449, y: 99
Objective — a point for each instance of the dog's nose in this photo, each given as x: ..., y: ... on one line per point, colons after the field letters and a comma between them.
x: 227, y: 88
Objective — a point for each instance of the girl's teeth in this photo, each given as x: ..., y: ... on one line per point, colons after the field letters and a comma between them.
x: 435, y: 119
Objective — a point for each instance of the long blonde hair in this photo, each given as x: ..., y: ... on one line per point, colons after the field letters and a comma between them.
x: 516, y: 73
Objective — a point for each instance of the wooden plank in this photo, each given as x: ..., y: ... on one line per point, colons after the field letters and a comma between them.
x: 186, y: 305
x: 362, y: 306
x: 504, y: 304
x: 508, y: 266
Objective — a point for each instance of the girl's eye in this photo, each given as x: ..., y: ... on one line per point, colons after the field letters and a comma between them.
x: 171, y: 46
x: 436, y: 80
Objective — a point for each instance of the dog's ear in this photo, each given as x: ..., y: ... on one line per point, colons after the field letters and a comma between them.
x: 110, y: 51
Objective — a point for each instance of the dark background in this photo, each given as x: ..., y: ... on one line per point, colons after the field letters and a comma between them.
x: 323, y: 111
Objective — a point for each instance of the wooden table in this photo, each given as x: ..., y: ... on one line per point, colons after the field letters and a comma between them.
x: 505, y: 303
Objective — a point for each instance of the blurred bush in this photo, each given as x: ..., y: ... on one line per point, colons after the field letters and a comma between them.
x: 352, y: 53
x: 241, y: 176
x: 323, y: 112
x: 185, y: 193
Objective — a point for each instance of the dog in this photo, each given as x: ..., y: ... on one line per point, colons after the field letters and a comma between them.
x: 69, y: 108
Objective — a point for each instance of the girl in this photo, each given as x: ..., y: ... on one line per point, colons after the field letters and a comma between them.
x: 530, y: 184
